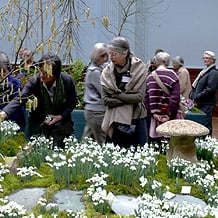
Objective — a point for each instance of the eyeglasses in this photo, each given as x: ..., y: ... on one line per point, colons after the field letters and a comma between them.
x: 207, y: 58
x: 113, y: 54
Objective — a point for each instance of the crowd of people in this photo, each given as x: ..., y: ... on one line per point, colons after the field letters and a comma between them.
x: 125, y: 98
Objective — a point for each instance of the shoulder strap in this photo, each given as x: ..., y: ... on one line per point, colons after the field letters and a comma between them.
x: 160, y: 83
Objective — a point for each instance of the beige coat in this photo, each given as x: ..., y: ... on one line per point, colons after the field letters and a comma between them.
x: 122, y: 107
x: 185, y: 82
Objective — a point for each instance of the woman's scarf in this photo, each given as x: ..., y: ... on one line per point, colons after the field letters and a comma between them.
x: 59, y: 98
x: 122, y: 114
x: 137, y: 77
x: 202, y: 73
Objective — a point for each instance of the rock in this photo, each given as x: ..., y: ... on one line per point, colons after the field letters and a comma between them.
x: 12, y: 163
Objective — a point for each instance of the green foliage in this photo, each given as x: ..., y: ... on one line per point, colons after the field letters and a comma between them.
x: 77, y: 70
x: 196, y: 110
x: 204, y: 154
x: 34, y: 156
x: 51, y: 190
x: 13, y: 145
x: 10, y: 184
x: 215, y: 161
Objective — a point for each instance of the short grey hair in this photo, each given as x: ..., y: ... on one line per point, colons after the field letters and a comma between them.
x: 162, y: 58
x: 178, y: 61
x: 98, y: 50
x: 211, y: 54
x: 120, y: 44
x: 4, y: 61
x: 27, y: 54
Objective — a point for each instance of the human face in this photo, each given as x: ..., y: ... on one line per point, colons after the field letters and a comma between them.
x: 102, y: 59
x: 176, y: 66
x: 208, y: 60
x: 116, y: 57
x: 46, y: 74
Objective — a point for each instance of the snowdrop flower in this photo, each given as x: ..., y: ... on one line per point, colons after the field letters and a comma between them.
x: 143, y: 181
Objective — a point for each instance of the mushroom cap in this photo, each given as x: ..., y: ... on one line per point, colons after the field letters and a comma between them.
x: 179, y: 127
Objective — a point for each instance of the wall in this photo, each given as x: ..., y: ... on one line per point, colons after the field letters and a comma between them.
x: 185, y: 28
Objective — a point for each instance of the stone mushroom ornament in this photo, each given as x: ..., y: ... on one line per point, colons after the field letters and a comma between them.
x: 182, y: 134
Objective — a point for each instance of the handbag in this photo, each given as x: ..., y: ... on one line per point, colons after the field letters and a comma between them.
x: 128, y: 129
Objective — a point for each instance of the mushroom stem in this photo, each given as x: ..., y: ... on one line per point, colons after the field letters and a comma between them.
x: 183, y: 147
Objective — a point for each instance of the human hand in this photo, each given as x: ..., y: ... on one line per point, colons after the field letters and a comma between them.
x: 3, y: 115
x: 52, y: 119
x: 161, y: 118
x: 195, y: 104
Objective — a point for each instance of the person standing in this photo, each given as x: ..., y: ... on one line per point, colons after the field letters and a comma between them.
x: 56, y: 96
x: 94, y: 107
x: 123, y: 89
x: 204, y: 88
x: 162, y: 103
x: 184, y: 77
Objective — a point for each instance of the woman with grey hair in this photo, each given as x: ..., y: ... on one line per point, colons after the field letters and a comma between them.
x: 94, y: 107
x: 10, y: 87
x: 184, y: 77
x: 204, y: 88
x: 123, y: 89
x: 162, y: 97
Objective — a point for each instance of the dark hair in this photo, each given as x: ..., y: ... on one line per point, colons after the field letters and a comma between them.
x: 158, y: 50
x: 53, y: 60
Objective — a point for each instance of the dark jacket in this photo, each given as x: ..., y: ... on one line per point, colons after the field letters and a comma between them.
x: 205, y: 91
x: 36, y: 117
x: 11, y: 90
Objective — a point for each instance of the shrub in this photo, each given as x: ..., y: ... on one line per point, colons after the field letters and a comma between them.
x: 77, y: 69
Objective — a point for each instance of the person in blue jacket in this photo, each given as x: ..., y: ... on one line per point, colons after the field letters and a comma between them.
x: 10, y: 87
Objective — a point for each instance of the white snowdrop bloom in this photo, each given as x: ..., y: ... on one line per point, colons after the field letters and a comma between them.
x: 210, y: 178
x: 1, y: 189
x: 54, y: 155
x: 215, y: 174
x: 143, y: 181
x: 96, y: 165
x: 38, y: 174
x: 155, y: 184
x: 133, y: 168
x: 62, y: 157
x: 83, y: 160
x: 49, y: 165
x: 48, y: 158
